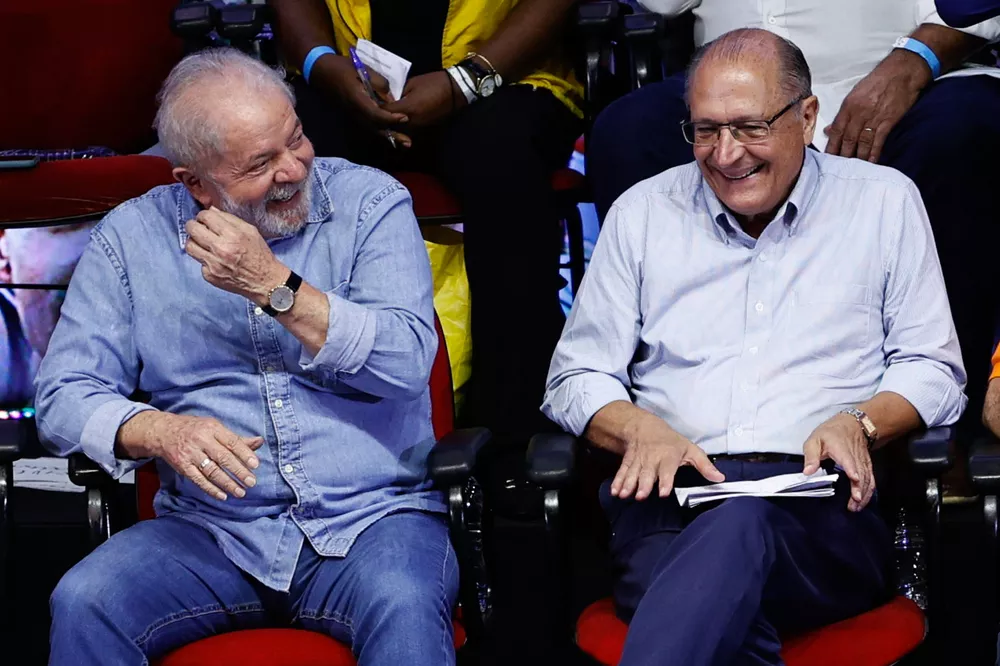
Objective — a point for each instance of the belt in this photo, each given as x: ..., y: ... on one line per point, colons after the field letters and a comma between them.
x: 758, y: 457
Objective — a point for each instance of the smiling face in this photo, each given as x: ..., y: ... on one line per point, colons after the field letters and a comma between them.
x: 751, y: 180
x: 263, y: 173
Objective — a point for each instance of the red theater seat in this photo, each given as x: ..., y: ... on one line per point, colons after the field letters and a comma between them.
x: 877, y: 638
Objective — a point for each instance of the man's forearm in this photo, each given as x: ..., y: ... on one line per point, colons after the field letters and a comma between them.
x: 135, y: 437
x: 526, y: 36
x: 309, y: 318
x: 301, y: 25
x: 892, y: 414
x: 615, y: 424
x: 952, y: 47
x: 991, y: 410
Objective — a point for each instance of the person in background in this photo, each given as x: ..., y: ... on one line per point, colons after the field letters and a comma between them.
x: 896, y: 87
x: 277, y: 311
x: 491, y: 107
x: 753, y: 314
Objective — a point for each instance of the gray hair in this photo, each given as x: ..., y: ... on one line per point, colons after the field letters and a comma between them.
x: 188, y: 134
x: 733, y: 46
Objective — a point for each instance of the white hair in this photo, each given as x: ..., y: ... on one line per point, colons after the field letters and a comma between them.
x: 188, y: 133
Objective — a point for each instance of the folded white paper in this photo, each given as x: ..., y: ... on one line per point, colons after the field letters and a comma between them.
x: 818, y: 484
x: 386, y: 63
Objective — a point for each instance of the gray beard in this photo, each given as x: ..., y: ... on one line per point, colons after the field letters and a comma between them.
x: 275, y: 225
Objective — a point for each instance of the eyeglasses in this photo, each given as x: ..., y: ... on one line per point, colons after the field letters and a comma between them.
x: 744, y: 131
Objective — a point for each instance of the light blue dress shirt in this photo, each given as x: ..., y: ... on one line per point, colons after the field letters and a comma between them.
x: 346, y: 433
x: 746, y: 346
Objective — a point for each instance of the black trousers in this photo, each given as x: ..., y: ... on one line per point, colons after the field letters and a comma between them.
x: 947, y: 143
x: 497, y: 157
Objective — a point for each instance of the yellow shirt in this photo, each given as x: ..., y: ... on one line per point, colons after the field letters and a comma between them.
x: 996, y: 363
x: 469, y: 24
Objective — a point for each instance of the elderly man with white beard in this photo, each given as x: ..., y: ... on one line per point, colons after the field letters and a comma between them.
x: 277, y: 310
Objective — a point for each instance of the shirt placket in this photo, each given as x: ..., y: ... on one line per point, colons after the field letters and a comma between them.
x: 757, y: 328
x: 772, y: 16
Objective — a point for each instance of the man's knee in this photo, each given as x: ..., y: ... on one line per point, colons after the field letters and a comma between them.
x: 86, y: 590
x: 410, y: 592
x: 744, y: 525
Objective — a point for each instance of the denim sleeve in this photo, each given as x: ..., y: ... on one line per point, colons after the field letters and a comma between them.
x: 590, y: 367
x: 91, y: 364
x: 921, y: 345
x: 381, y: 338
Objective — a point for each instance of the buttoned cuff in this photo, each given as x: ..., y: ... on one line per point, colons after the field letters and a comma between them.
x: 575, y: 401
x: 350, y: 338
x: 933, y: 393
x: 99, y: 433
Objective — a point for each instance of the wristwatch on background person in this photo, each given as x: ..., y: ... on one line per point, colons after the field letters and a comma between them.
x: 867, y: 427
x: 485, y: 80
x: 281, y: 299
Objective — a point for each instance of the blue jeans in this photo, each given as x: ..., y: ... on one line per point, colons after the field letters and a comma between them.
x: 164, y: 583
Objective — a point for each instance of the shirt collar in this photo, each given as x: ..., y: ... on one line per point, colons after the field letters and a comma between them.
x: 320, y: 210
x: 790, y: 211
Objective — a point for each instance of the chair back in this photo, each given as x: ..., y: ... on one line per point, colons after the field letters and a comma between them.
x: 147, y: 481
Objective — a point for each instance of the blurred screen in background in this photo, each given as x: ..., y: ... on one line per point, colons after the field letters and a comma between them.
x: 36, y: 264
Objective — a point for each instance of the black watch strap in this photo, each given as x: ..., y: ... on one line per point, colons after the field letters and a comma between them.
x: 293, y: 282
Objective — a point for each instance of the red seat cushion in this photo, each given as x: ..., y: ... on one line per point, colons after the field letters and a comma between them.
x: 71, y: 188
x: 269, y: 647
x: 877, y: 638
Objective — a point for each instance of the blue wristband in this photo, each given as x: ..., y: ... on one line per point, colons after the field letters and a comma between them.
x: 314, y: 54
x: 922, y: 50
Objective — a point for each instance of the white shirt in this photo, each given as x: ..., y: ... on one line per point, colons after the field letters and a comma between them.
x: 746, y: 346
x: 842, y: 40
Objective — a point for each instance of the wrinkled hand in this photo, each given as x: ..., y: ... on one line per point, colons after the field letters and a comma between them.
x: 428, y: 99
x: 842, y: 440
x: 185, y: 442
x: 233, y: 255
x: 653, y: 454
x: 878, y: 101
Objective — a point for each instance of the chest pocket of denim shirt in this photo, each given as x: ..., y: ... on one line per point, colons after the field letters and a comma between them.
x: 827, y: 330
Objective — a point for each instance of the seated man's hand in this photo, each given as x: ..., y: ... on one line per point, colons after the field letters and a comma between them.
x: 875, y: 105
x: 842, y: 440
x: 215, y: 458
x: 428, y: 99
x: 653, y: 453
x: 233, y: 255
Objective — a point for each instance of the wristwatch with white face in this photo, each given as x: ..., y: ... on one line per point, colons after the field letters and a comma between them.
x: 867, y: 426
x: 486, y: 81
x: 282, y: 298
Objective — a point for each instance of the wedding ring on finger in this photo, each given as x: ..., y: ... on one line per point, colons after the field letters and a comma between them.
x: 205, y: 463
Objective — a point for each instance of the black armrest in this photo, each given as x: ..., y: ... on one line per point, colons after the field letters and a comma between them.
x: 454, y: 458
x: 193, y: 21
x: 18, y: 438
x: 243, y: 22
x: 552, y: 460
x: 596, y: 28
x: 932, y: 451
x: 984, y: 464
x: 85, y: 472
x: 643, y: 32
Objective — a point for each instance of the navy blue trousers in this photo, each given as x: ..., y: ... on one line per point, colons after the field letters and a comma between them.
x: 719, y: 584
x: 947, y: 144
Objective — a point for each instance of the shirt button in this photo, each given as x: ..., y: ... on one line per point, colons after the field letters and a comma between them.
x: 759, y: 307
x: 772, y: 20
x: 738, y: 431
x: 278, y: 404
x: 762, y: 256
x: 753, y: 351
x: 258, y: 311
x: 289, y: 469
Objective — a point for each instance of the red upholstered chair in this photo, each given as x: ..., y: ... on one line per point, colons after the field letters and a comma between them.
x: 452, y: 465
x: 434, y: 204
x: 909, y: 478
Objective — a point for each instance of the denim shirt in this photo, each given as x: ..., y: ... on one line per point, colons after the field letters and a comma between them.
x: 347, y: 432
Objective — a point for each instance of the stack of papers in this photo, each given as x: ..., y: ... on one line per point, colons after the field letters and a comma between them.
x: 386, y: 63
x: 818, y: 484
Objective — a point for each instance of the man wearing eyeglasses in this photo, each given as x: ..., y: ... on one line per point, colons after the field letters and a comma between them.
x: 755, y: 313
x: 897, y: 87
